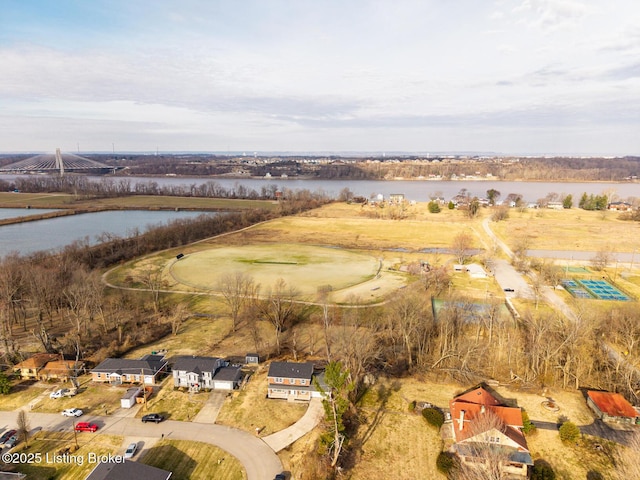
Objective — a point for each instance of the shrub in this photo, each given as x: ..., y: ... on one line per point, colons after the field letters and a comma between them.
x: 527, y: 425
x: 412, y: 406
x: 434, y: 207
x: 569, y: 432
x: 542, y: 471
x: 5, y: 384
x: 451, y: 205
x: 445, y: 462
x: 433, y: 416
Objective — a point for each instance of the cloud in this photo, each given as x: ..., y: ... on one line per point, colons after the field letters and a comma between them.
x: 553, y: 14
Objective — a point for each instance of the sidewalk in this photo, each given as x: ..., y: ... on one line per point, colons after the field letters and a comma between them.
x: 282, y: 439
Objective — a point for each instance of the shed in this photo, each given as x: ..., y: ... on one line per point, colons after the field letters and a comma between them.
x: 128, y: 400
x: 252, y: 358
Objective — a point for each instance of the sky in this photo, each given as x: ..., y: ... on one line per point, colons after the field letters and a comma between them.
x: 504, y: 76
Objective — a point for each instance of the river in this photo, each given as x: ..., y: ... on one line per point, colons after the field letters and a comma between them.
x: 55, y: 233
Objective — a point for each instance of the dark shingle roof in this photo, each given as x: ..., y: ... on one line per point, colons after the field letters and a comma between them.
x: 150, y: 364
x: 228, y: 374
x: 196, y: 364
x: 128, y: 469
x: 291, y: 370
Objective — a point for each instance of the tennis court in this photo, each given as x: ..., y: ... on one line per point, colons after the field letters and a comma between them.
x: 603, y: 290
x: 576, y: 289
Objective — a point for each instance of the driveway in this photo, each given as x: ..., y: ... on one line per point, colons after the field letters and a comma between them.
x: 210, y: 410
x: 258, y: 459
x: 282, y: 439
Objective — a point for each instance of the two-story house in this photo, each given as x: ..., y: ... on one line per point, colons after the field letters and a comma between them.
x: 481, y: 424
x: 210, y: 373
x: 290, y: 381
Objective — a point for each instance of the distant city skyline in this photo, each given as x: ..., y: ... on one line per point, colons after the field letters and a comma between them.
x: 507, y: 77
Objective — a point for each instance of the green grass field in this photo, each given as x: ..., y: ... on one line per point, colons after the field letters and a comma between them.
x: 306, y: 267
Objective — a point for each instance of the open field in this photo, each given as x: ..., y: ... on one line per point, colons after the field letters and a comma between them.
x: 351, y: 266
x: 306, y: 267
x: 572, y: 229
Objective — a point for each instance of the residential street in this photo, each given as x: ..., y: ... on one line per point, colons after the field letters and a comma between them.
x: 258, y: 459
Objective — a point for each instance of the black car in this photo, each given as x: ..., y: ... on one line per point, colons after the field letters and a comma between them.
x: 280, y: 476
x: 152, y: 417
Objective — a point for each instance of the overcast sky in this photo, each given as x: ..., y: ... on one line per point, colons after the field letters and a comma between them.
x: 506, y: 76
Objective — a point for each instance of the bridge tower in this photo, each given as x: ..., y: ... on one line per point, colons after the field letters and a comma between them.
x: 59, y: 162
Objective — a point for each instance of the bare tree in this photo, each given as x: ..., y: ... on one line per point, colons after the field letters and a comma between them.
x: 179, y: 313
x: 602, y: 258
x: 279, y: 308
x: 236, y: 289
x: 151, y: 277
x: 489, y: 457
x: 461, y: 246
x: 627, y: 464
x: 23, y: 426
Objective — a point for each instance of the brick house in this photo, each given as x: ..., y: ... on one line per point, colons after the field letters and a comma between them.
x: 61, y: 370
x: 290, y: 381
x: 116, y: 371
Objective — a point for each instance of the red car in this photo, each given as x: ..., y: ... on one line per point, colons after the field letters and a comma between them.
x: 86, y: 427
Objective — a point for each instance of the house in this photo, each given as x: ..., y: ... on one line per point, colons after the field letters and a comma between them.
x: 620, y: 207
x: 211, y: 373
x: 31, y: 367
x: 127, y: 469
x: 116, y: 371
x: 612, y: 407
x: 396, y: 198
x: 61, y: 370
x: 480, y: 422
x: 290, y: 380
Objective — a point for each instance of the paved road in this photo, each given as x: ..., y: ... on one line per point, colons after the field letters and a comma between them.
x: 258, y: 459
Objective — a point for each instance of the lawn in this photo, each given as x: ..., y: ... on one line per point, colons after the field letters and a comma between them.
x: 193, y: 461
x: 174, y: 404
x: 250, y: 408
x: 78, y: 467
x: 22, y: 393
x: 93, y: 398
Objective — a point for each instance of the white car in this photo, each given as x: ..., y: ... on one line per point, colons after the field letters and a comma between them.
x: 59, y: 393
x: 131, y: 450
x: 72, y: 412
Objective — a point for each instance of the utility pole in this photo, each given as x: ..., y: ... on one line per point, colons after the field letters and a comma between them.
x: 144, y: 390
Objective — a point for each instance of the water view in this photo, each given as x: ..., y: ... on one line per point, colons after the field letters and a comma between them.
x: 55, y: 233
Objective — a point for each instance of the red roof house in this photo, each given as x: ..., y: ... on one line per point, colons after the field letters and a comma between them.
x: 478, y: 418
x: 612, y: 407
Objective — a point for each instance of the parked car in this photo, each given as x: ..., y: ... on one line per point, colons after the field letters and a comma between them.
x: 86, y: 427
x: 11, y: 442
x: 131, y: 450
x: 152, y: 417
x: 61, y: 392
x: 72, y: 412
x: 280, y: 476
x: 6, y: 436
